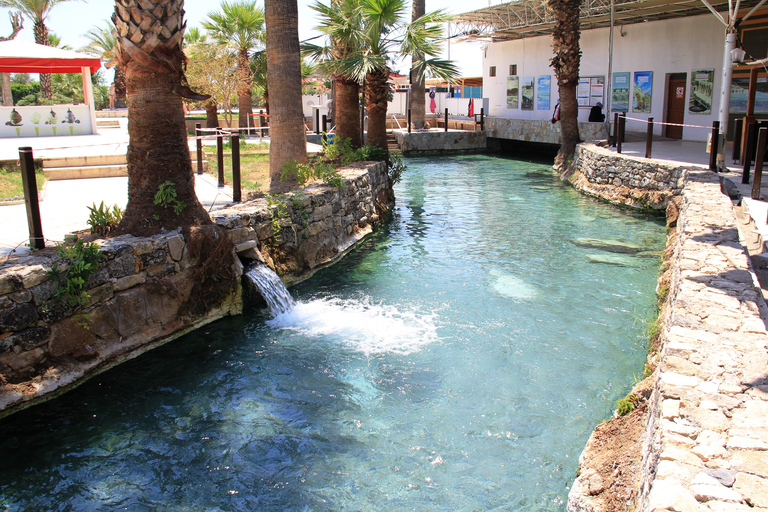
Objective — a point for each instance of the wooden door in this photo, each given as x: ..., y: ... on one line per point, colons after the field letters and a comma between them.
x: 675, y: 107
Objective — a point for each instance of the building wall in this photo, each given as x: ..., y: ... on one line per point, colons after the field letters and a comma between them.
x: 664, y: 47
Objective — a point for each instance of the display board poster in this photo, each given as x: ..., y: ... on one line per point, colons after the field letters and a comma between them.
x: 642, y: 91
x: 702, y: 81
x: 513, y: 86
x: 543, y: 87
x: 526, y: 93
x: 582, y: 92
x: 590, y: 91
x: 620, y: 92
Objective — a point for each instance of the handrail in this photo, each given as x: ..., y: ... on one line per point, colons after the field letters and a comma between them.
x: 398, y: 122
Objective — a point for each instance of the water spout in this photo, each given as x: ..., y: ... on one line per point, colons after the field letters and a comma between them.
x: 270, y: 287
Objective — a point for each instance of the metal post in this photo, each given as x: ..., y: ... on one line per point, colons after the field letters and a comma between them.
x: 446, y: 119
x: 737, y: 128
x: 762, y: 140
x: 725, y: 91
x: 482, y: 119
x: 317, y: 122
x: 220, y: 155
x: 199, y: 147
x: 236, y: 195
x: 649, y: 138
x: 714, y: 145
x: 615, y: 128
x: 620, y: 138
x: 29, y: 182
x: 747, y: 156
x: 261, y: 125
x: 409, y: 120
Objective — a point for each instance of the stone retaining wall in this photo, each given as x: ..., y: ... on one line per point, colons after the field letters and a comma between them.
x: 535, y: 130
x: 148, y: 291
x: 440, y: 140
x: 623, y: 180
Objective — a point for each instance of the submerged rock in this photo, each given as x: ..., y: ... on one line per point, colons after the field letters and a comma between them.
x: 609, y: 245
x: 511, y: 286
x: 612, y: 259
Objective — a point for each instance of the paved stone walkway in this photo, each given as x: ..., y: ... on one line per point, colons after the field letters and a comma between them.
x: 709, y: 434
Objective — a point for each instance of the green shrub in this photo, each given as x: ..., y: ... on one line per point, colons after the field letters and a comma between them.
x: 104, y: 220
x: 83, y: 262
x: 166, y: 197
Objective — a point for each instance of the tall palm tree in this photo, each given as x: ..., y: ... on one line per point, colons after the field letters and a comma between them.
x: 102, y: 42
x: 417, y: 101
x: 566, y: 60
x: 240, y: 23
x: 150, y: 50
x: 286, y: 121
x: 387, y: 37
x: 37, y: 11
x: 341, y: 22
x: 16, y: 25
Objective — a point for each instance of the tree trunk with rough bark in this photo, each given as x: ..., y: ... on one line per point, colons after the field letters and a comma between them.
x: 159, y: 163
x: 120, y: 92
x: 286, y: 122
x: 244, y: 88
x: 377, y: 97
x: 347, y: 110
x: 566, y: 60
x: 46, y: 80
x: 418, y: 102
x: 211, y: 114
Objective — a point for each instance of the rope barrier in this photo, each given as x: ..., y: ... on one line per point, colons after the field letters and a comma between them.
x: 668, y: 124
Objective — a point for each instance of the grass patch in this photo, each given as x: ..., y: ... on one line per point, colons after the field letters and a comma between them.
x: 254, y: 171
x: 11, y: 185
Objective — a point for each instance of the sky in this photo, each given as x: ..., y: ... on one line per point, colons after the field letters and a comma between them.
x: 71, y: 19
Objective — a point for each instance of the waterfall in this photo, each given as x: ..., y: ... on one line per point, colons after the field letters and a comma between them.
x: 271, y: 288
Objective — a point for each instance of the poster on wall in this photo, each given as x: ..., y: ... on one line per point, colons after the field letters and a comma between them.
x: 642, y: 90
x: 740, y: 93
x: 702, y: 81
x: 620, y: 92
x: 526, y: 93
x: 513, y: 85
x: 582, y: 92
x: 543, y: 86
x: 596, y: 90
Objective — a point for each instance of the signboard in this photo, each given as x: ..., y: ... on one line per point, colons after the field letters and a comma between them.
x: 526, y: 93
x: 513, y: 86
x: 642, y: 91
x: 590, y: 91
x: 702, y: 81
x: 620, y: 92
x: 543, y: 86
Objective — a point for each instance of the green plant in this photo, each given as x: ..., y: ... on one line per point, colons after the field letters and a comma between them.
x: 626, y: 405
x: 297, y: 202
x: 166, y: 197
x: 396, y: 167
x: 329, y: 175
x: 82, y: 262
x: 279, y: 211
x: 371, y: 153
x: 340, y: 149
x: 302, y: 173
x: 103, y: 220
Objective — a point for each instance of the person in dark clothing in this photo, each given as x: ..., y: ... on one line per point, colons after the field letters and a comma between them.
x: 596, y: 114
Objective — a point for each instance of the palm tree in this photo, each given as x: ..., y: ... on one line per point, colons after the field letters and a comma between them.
x: 341, y: 22
x: 286, y: 122
x: 161, y: 186
x: 417, y: 101
x: 239, y: 23
x: 16, y: 26
x: 37, y: 11
x: 102, y: 42
x: 385, y: 37
x: 567, y: 56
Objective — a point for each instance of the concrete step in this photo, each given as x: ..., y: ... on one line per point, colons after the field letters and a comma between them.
x: 84, y: 161
x: 107, y: 123
x: 93, y: 171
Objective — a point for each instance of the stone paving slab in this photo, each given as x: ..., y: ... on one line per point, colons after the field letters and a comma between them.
x: 710, y: 432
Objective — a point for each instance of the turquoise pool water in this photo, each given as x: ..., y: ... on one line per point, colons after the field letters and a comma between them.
x: 456, y: 361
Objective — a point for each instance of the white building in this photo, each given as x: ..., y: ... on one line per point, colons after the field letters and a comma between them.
x: 666, y: 62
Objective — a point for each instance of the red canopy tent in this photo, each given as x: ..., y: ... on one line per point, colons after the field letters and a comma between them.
x: 26, y: 57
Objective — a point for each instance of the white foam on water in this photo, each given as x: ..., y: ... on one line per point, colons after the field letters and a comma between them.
x: 362, y: 326
x: 511, y: 286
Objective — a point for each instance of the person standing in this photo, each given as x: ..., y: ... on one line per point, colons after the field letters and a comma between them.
x: 112, y: 96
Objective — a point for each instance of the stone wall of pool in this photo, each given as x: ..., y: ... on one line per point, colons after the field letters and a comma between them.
x: 701, y: 416
x: 148, y: 291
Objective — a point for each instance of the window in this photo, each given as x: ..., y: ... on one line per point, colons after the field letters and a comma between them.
x: 512, y: 69
x: 492, y: 71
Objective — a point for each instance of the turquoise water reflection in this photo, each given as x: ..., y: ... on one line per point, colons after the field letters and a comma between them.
x: 457, y: 360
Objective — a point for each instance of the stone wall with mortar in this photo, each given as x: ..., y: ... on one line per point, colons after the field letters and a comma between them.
x: 439, y: 140
x: 143, y: 293
x: 533, y: 130
x: 623, y: 180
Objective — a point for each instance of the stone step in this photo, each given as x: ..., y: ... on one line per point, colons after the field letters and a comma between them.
x: 84, y: 161
x: 92, y: 171
x: 107, y: 123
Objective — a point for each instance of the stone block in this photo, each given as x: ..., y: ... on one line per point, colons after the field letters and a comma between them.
x: 121, y: 266
x: 70, y: 337
x: 9, y: 283
x: 27, y: 339
x: 176, y: 247
x: 22, y: 360
x: 32, y: 275
x: 18, y: 317
x: 752, y: 462
x: 753, y: 488
x: 129, y: 281
x: 131, y: 311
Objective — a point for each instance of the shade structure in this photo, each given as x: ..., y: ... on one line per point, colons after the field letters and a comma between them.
x: 26, y: 57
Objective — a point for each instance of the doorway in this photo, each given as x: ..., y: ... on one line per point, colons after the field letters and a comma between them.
x: 676, y: 104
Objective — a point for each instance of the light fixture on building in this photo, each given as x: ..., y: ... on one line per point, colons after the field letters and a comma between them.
x: 737, y: 55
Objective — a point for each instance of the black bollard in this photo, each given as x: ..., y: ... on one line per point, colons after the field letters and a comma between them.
x: 29, y: 182
x: 738, y: 126
x: 620, y: 138
x: 649, y: 138
x: 482, y: 119
x: 199, y: 147
x: 220, y: 155
x: 715, y: 138
x: 446, y: 119
x: 236, y: 192
x: 409, y: 120
x: 749, y: 152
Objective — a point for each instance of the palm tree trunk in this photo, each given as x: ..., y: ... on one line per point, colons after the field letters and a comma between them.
x: 566, y: 60
x: 46, y: 81
x: 157, y: 152
x: 418, y: 103
x: 244, y: 89
x: 286, y: 126
x: 120, y: 100
x: 211, y: 114
x: 7, y: 96
x: 347, y: 110
x: 377, y: 98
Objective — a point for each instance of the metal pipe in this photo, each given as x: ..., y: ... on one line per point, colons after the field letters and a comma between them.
x: 713, y: 145
x: 199, y: 147
x: 29, y: 181
x: 649, y: 138
x: 220, y: 155
x: 236, y: 189
x: 725, y: 95
x: 762, y: 139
